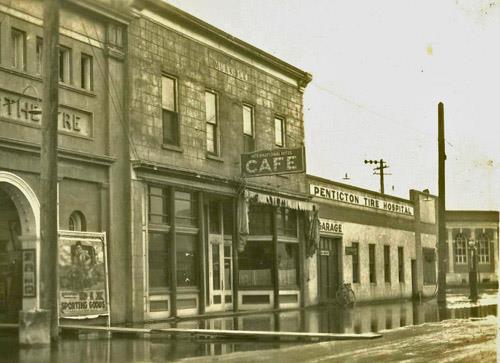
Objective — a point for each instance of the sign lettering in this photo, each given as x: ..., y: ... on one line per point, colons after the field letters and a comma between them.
x: 273, y: 162
x: 361, y: 200
x: 19, y: 108
x: 330, y: 226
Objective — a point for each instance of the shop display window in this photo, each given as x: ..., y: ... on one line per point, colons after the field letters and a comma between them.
x: 256, y: 263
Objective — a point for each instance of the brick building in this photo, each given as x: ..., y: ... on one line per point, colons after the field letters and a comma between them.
x: 468, y: 229
x: 199, y: 99
x: 92, y: 156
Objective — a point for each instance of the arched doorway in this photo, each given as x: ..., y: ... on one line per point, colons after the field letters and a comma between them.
x: 19, y: 231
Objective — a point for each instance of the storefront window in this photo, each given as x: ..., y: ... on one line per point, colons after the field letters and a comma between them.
x: 287, y: 222
x: 187, y: 272
x: 260, y: 219
x: 287, y: 263
x: 159, y: 274
x: 255, y: 264
x: 186, y: 209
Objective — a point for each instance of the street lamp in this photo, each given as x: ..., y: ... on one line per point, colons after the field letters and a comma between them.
x: 473, y: 247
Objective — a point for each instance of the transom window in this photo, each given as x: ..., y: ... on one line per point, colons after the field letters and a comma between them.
x: 158, y: 205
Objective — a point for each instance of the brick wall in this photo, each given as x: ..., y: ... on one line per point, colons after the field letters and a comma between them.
x: 154, y: 49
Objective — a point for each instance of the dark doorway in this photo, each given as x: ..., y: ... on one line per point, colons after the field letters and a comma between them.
x: 414, y: 288
x: 10, y: 260
x: 329, y: 261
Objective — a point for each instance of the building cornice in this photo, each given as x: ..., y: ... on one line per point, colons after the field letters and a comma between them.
x: 198, y: 26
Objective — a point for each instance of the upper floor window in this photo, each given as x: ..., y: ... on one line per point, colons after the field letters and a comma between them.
x: 248, y: 128
x: 460, y: 249
x: 115, y: 35
x: 279, y: 131
x: 18, y: 49
x: 86, y: 74
x: 169, y: 110
x: 77, y: 222
x: 211, y: 120
x: 64, y: 64
x: 39, y: 55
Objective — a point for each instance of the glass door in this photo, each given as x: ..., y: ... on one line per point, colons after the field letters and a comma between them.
x: 220, y: 262
x: 220, y: 275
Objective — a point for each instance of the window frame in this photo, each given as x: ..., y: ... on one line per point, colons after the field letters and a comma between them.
x: 282, y: 131
x: 387, y: 264
x: 170, y: 140
x: 483, y: 253
x: 86, y: 71
x: 215, y: 124
x: 65, y: 64
x: 401, y: 264
x: 460, y: 246
x: 248, y: 138
x: 19, y: 64
x: 355, y: 263
x: 39, y: 54
x: 372, y: 263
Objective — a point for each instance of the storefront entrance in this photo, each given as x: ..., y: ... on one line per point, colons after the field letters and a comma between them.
x: 220, y: 261
x: 329, y: 262
x: 19, y: 239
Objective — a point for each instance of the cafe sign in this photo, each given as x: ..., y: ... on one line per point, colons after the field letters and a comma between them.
x: 273, y: 162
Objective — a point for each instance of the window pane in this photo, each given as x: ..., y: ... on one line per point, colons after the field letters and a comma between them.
x: 287, y: 263
x: 371, y: 261
x: 211, y: 138
x: 86, y: 71
x: 387, y: 264
x: 170, y: 127
x: 215, y: 267
x: 210, y: 107
x: 186, y: 208
x: 214, y: 217
x: 39, y: 54
x: 227, y: 217
x: 168, y: 93
x: 255, y: 264
x: 18, y: 49
x: 247, y: 120
x: 159, y: 275
x: 355, y: 262
x: 278, y: 131
x: 186, y: 260
x: 260, y: 219
x: 158, y: 205
x: 287, y: 222
x: 64, y: 64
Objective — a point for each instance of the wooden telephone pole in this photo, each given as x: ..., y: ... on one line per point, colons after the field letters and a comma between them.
x: 48, y: 164
x: 441, y: 296
x: 382, y: 165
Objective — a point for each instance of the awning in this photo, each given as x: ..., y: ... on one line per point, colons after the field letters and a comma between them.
x: 279, y: 201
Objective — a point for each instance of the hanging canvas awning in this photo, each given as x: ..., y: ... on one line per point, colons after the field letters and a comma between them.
x: 279, y: 201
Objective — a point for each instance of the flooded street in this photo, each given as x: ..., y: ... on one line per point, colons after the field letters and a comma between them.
x: 327, y: 319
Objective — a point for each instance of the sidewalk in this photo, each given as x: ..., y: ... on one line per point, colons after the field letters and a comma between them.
x: 469, y: 340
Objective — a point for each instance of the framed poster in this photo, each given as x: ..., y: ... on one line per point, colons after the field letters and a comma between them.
x: 29, y: 272
x: 83, y: 280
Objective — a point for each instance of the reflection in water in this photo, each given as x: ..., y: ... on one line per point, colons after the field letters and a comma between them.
x: 361, y: 319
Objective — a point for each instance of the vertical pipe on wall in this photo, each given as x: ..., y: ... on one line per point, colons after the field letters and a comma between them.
x: 173, y: 255
x: 236, y: 238
x: 276, y: 284
x: 202, y: 254
x: 441, y: 297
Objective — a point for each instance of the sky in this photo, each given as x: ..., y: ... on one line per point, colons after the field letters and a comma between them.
x: 379, y: 69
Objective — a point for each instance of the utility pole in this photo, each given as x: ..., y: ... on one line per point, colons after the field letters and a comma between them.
x: 48, y: 164
x: 441, y: 296
x: 383, y: 165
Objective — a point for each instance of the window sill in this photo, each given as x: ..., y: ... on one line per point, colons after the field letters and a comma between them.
x: 172, y: 148
x: 214, y: 157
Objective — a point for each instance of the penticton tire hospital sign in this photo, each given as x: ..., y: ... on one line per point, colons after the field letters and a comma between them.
x: 273, y: 162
